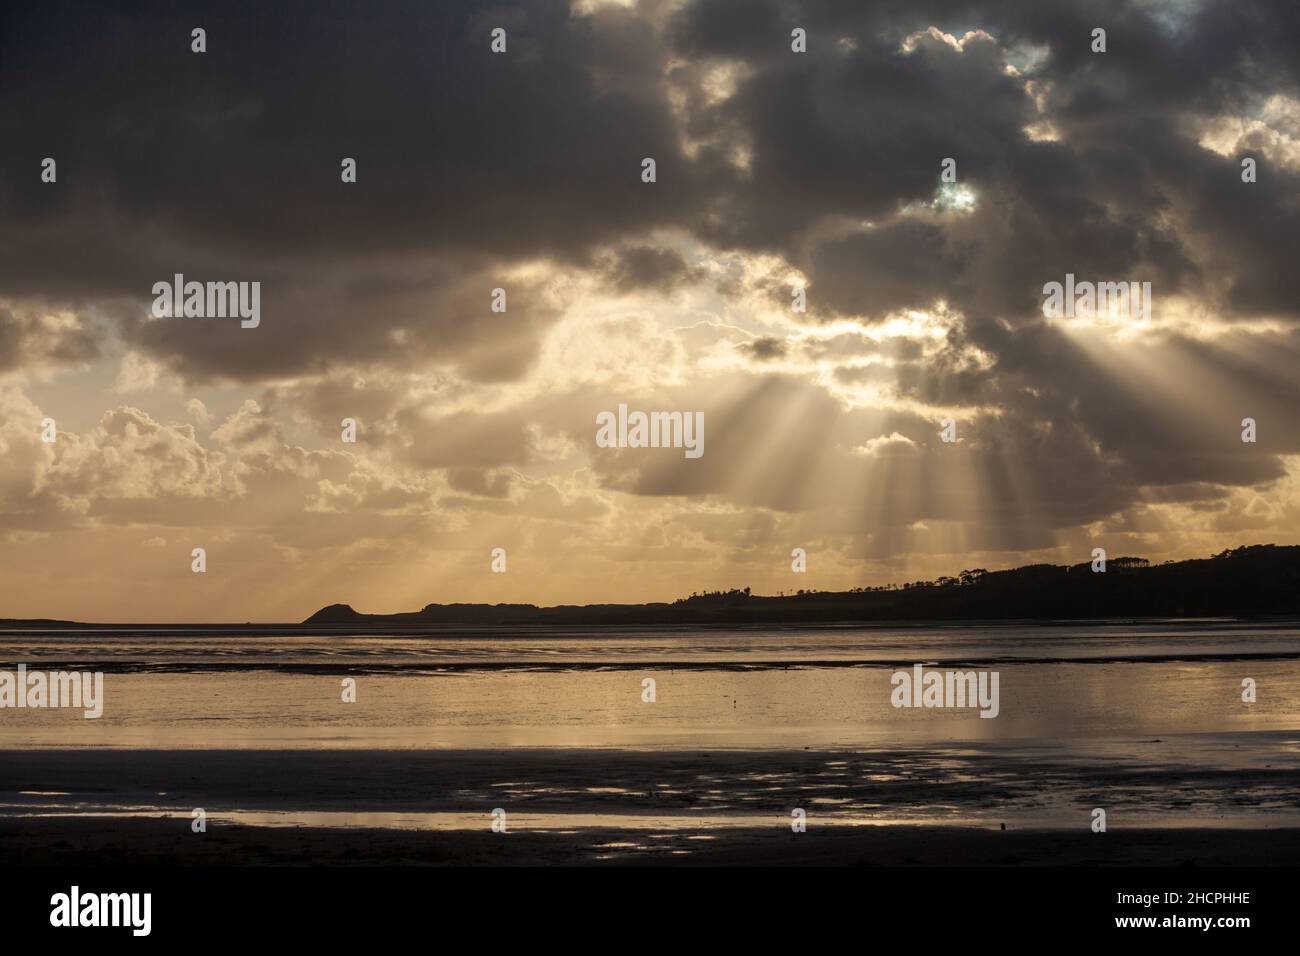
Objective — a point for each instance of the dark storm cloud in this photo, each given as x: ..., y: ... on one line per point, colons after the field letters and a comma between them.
x: 227, y: 163
x: 905, y: 264
x: 859, y: 132
x: 226, y: 166
x: 240, y: 147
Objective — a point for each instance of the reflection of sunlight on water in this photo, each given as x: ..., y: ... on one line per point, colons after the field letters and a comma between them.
x: 612, y: 647
x: 671, y: 826
x: 824, y: 708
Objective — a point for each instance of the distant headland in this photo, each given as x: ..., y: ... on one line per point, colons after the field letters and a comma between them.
x: 1251, y: 581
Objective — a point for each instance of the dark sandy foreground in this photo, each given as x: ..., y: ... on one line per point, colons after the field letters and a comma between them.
x: 119, y: 842
x: 1163, y: 816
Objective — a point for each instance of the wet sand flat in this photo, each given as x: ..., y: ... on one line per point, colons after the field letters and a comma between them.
x: 566, y: 806
x: 116, y: 842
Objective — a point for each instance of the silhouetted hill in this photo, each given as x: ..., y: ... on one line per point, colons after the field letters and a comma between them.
x: 34, y: 622
x: 1256, y: 580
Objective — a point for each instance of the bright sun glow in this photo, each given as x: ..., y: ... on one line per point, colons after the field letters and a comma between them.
x: 954, y: 196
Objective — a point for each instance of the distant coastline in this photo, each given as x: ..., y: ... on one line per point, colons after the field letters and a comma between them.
x: 1251, y: 582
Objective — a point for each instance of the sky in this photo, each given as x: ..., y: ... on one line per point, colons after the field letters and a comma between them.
x: 774, y: 171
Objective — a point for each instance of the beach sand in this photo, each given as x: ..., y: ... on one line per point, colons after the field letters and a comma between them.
x: 573, y: 807
x: 115, y: 842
